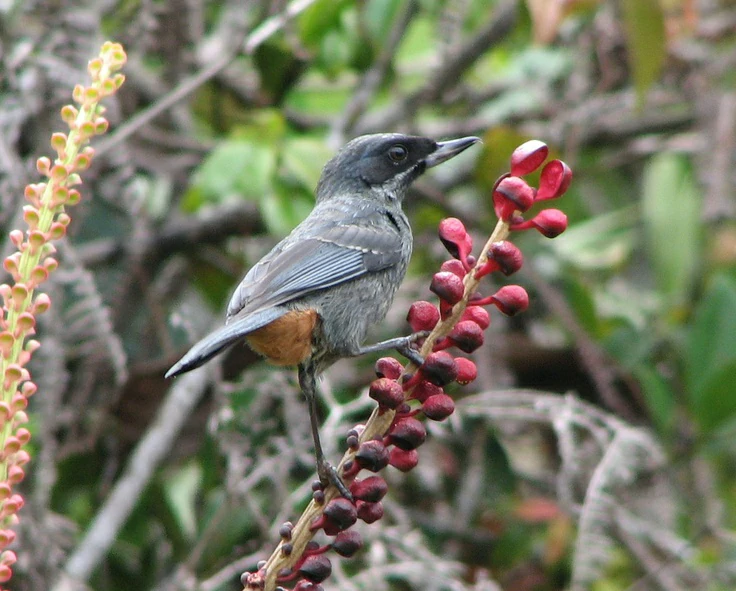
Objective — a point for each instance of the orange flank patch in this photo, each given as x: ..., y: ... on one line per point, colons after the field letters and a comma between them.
x: 286, y: 341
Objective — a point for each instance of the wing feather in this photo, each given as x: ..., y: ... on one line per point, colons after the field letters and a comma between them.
x: 293, y: 270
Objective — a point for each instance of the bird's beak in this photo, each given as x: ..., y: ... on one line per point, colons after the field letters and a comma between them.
x: 449, y: 149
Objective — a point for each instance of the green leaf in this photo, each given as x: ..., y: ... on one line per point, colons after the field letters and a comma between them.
x: 278, y: 69
x: 302, y: 160
x: 714, y: 403
x: 284, y: 207
x: 235, y: 167
x: 318, y: 19
x: 602, y: 242
x: 181, y: 491
x: 645, y: 32
x: 379, y: 17
x: 659, y: 397
x: 581, y: 299
x: 670, y: 209
x: 712, y: 340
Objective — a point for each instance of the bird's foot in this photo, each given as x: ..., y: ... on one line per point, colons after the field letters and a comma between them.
x: 328, y: 476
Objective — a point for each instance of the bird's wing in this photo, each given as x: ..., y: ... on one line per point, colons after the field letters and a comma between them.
x: 329, y: 257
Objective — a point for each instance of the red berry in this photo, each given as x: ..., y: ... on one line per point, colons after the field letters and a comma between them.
x: 371, y: 489
x: 554, y: 181
x: 340, y: 513
x: 455, y: 237
x: 528, y: 157
x: 454, y: 266
x: 347, y: 543
x: 438, y: 407
x: 403, y: 460
x: 424, y: 390
x: 466, y: 336
x: 478, y: 315
x: 550, y: 222
x: 369, y: 512
x: 466, y: 371
x: 407, y: 434
x: 316, y: 568
x: 511, y: 299
x: 372, y: 455
x: 507, y: 255
x: 511, y: 195
x: 439, y: 368
x: 389, y: 367
x: 388, y: 393
x: 423, y: 316
x: 448, y: 286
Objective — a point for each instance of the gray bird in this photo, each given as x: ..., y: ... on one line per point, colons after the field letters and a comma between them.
x: 311, y: 300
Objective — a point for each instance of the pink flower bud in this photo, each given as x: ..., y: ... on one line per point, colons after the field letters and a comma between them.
x: 16, y: 474
x: 41, y: 304
x: 8, y: 558
x: 448, y: 287
x: 511, y: 299
x: 22, y: 458
x: 12, y: 445
x: 528, y: 157
x: 388, y: 393
x: 423, y: 316
x: 511, y: 195
x: 438, y: 407
x: 403, y: 460
x: 12, y: 505
x: 7, y: 536
x: 23, y: 435
x: 5, y: 573
x: 439, y: 368
x: 466, y: 371
x: 554, y: 181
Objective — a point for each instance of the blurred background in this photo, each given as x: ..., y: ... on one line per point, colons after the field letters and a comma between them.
x: 596, y: 449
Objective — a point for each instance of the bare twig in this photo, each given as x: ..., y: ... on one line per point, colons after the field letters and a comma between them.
x: 188, y: 85
x: 152, y: 449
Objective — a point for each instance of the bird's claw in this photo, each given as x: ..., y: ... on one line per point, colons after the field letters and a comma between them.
x: 328, y: 476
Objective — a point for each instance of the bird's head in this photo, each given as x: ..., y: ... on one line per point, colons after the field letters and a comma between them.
x: 384, y: 164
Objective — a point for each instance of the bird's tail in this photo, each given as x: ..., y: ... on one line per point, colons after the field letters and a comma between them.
x: 222, y: 338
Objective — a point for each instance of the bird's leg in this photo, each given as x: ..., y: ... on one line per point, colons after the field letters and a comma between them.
x: 402, y: 344
x: 326, y: 472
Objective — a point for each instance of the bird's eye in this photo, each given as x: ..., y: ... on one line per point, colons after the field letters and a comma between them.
x: 397, y: 153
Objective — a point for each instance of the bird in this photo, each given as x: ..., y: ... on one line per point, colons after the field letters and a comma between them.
x: 311, y: 300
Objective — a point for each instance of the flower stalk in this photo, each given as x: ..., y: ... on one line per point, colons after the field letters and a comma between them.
x: 31, y: 264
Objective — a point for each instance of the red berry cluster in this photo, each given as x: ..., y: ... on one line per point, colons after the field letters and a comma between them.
x: 410, y: 393
x: 512, y: 196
